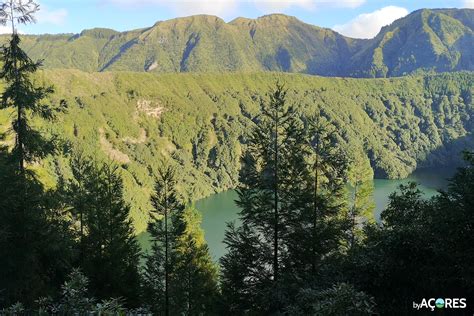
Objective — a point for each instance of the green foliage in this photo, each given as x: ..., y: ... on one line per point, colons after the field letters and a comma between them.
x: 439, y: 40
x: 33, y: 233
x: 339, y: 300
x: 25, y: 98
x: 422, y: 246
x: 108, y: 250
x: 399, y: 124
x: 75, y: 294
x: 76, y: 300
x: 195, y: 274
x: 165, y: 229
x: 362, y: 205
x: 291, y: 197
x: 179, y: 276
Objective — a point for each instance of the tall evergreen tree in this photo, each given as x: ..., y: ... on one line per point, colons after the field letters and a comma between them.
x: 362, y: 205
x: 164, y: 229
x: 20, y: 93
x: 291, y: 198
x: 33, y: 234
x: 109, y: 250
x: 319, y: 197
x: 179, y: 276
x: 194, y: 274
x: 261, y: 193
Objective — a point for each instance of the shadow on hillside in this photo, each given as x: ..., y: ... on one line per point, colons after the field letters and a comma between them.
x: 449, y: 154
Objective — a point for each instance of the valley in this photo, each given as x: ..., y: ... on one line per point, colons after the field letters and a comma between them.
x: 198, y: 123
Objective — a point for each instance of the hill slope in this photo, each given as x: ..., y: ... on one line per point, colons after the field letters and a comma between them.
x: 439, y: 40
x: 198, y: 122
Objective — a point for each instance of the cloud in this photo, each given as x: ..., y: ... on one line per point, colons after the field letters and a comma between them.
x: 43, y: 16
x: 468, y: 4
x: 273, y: 6
x: 224, y: 8
x: 5, y: 29
x: 367, y: 25
x: 56, y: 17
x: 184, y: 7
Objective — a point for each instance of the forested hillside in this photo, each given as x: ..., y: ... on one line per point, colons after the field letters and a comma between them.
x: 199, y: 123
x: 426, y: 40
x: 90, y: 159
x: 439, y: 40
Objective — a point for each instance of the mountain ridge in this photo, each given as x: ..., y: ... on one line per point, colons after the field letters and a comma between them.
x: 439, y: 40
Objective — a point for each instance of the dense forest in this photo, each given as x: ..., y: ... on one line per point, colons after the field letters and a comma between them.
x: 85, y: 163
x: 199, y: 123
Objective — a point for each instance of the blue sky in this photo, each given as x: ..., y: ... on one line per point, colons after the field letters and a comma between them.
x: 356, y: 18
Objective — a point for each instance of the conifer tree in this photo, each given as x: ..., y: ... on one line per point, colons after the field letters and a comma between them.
x: 318, y: 198
x: 266, y: 204
x: 194, y: 273
x: 32, y: 231
x: 20, y: 93
x: 362, y: 206
x: 291, y: 198
x: 179, y: 276
x: 109, y: 252
x: 164, y: 229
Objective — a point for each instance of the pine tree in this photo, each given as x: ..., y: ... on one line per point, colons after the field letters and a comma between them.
x: 267, y: 181
x: 194, y: 274
x: 164, y: 229
x: 109, y: 252
x: 179, y: 276
x: 32, y: 231
x: 362, y: 203
x: 20, y: 93
x: 291, y: 198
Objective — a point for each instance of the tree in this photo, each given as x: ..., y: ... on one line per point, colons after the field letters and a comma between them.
x: 362, y: 203
x: 32, y: 231
x: 179, y: 276
x: 290, y: 196
x: 194, y: 274
x: 110, y: 252
x: 35, y: 240
x: 260, y: 196
x: 422, y: 246
x: 20, y: 93
x: 328, y: 176
x: 164, y: 229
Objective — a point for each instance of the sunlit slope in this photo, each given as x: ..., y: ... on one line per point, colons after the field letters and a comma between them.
x: 438, y: 40
x: 198, y: 122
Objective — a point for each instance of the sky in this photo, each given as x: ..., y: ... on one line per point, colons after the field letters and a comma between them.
x: 354, y: 18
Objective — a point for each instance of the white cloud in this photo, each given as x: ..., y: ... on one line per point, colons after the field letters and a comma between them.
x: 56, y: 17
x: 224, y: 8
x: 5, y: 29
x: 351, y: 4
x: 468, y: 4
x: 274, y: 6
x: 44, y: 15
x: 367, y: 25
x: 184, y: 7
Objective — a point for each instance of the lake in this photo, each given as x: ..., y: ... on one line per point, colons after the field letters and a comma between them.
x: 219, y: 209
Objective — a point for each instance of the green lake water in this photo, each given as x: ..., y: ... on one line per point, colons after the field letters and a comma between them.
x: 219, y: 209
